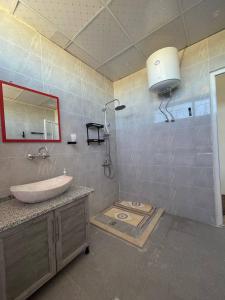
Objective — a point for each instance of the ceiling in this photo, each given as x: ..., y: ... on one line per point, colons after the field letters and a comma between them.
x: 115, y: 37
x: 28, y: 97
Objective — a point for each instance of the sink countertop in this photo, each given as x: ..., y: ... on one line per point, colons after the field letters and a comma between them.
x: 14, y: 212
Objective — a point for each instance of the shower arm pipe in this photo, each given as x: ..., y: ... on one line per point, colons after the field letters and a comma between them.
x: 106, y: 125
x: 111, y: 101
x: 105, y: 111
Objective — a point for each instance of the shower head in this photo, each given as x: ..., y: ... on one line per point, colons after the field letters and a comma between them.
x: 120, y: 107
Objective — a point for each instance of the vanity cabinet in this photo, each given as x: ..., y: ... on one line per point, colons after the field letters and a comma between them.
x: 33, y: 252
x: 71, y: 231
x: 26, y: 257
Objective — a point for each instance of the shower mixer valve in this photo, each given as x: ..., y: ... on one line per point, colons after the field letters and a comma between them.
x: 106, y: 163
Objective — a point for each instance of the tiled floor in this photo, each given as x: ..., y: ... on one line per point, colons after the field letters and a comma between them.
x: 183, y: 260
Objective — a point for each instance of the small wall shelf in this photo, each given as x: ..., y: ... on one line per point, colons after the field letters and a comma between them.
x: 71, y: 143
x: 94, y: 126
x: 95, y: 141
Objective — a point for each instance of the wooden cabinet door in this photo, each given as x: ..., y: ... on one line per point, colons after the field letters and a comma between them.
x: 71, y: 231
x: 27, y: 257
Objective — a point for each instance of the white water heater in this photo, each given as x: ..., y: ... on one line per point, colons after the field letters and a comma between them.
x: 163, y: 69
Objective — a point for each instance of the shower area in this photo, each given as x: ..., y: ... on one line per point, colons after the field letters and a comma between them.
x: 109, y: 170
x: 130, y: 221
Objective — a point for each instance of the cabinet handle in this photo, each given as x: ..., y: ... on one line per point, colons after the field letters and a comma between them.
x: 53, y: 231
x: 57, y: 225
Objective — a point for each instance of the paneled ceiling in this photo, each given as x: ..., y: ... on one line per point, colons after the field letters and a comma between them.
x: 115, y: 37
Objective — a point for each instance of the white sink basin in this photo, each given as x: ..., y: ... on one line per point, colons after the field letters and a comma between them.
x: 41, y: 190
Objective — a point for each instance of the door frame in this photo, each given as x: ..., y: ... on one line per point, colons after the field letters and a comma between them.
x: 215, y: 142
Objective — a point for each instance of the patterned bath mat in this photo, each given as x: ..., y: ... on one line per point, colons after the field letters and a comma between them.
x: 131, y: 225
x: 124, y: 216
x: 136, y: 206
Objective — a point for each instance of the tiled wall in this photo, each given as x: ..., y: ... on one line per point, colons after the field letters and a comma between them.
x: 170, y: 164
x: 28, y: 59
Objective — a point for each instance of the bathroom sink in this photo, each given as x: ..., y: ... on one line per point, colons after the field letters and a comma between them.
x: 41, y: 190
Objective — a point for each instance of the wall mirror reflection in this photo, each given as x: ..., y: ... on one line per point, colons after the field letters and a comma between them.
x: 28, y: 115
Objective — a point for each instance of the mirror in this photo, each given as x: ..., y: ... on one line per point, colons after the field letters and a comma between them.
x: 28, y: 115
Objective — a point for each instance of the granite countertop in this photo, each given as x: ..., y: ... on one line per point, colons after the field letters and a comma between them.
x: 14, y: 212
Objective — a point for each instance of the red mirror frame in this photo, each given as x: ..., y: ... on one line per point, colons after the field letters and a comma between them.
x: 2, y: 114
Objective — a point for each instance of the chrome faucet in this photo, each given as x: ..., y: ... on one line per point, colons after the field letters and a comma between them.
x: 42, y: 153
